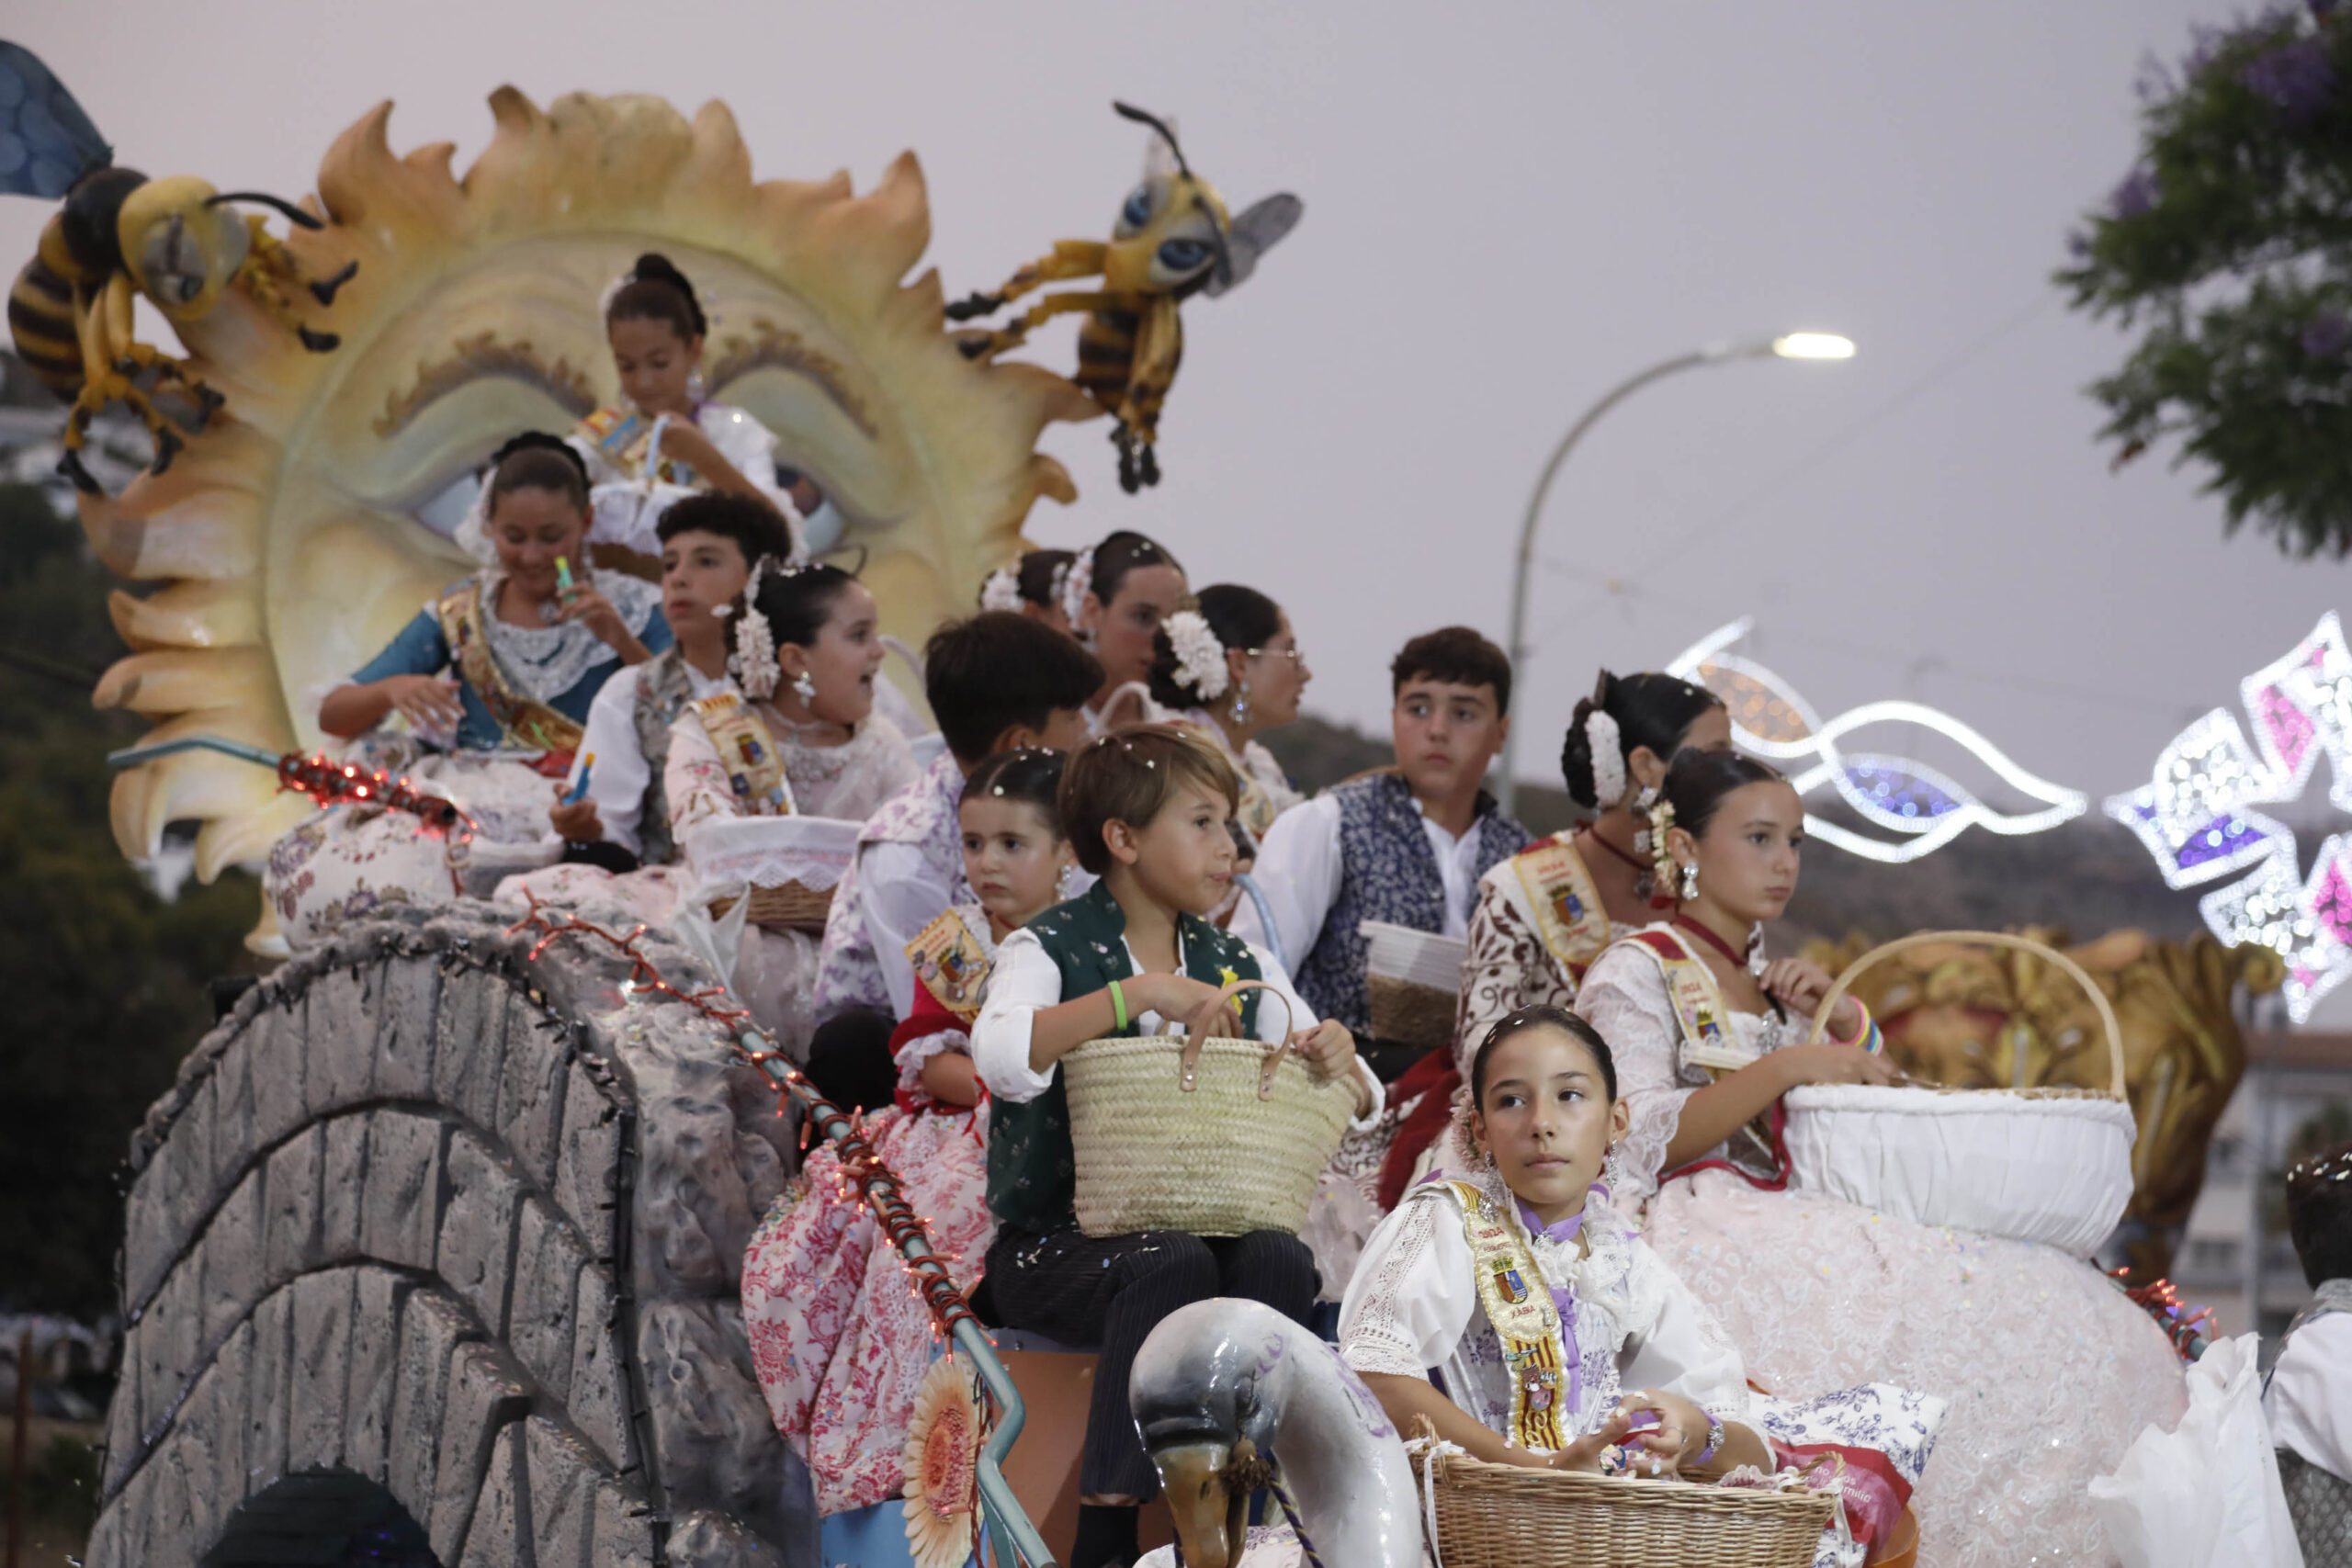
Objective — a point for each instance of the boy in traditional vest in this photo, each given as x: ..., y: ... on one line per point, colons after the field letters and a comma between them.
x: 709, y: 543
x: 996, y: 682
x: 1405, y: 845
x: 1145, y: 810
x: 2308, y: 1398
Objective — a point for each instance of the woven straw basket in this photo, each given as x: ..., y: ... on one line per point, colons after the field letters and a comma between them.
x: 1414, y: 981
x: 1504, y: 1516
x: 2050, y: 1165
x: 1202, y: 1133
x: 792, y: 906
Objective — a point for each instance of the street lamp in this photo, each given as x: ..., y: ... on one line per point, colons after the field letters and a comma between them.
x: 1789, y: 345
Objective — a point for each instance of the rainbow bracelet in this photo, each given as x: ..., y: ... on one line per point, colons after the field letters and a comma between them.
x: 1868, y: 1036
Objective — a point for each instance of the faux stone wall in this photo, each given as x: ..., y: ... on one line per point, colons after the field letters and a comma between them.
x: 470, y: 1225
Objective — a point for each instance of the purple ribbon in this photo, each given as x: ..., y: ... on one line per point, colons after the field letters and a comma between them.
x: 1564, y: 1297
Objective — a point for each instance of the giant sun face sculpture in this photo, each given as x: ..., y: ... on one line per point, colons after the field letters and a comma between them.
x: 292, y: 535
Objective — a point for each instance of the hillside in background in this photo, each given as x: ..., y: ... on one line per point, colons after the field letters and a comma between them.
x: 2088, y: 876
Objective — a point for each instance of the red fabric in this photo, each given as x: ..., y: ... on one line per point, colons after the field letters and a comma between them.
x: 930, y: 1016
x: 1873, y: 1491
x: 554, y: 764
x: 1434, y: 1078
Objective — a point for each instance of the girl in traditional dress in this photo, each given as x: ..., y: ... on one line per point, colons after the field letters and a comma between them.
x: 1033, y: 586
x: 1229, y: 665
x: 493, y: 678
x: 838, y: 1335
x: 1145, y: 810
x: 667, y: 440
x: 1525, y: 1320
x: 1116, y: 595
x: 797, y: 737
x: 2038, y: 1351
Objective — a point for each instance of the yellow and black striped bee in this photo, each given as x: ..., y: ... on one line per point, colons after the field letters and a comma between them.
x: 1174, y: 239
x: 120, y: 234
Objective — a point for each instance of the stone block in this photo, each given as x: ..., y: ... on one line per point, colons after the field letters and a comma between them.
x: 342, y: 1019
x: 598, y: 1404
x: 148, y: 1243
x: 401, y: 1222
x: 587, y: 1168
x: 432, y: 1327
x: 499, y: 1536
x: 476, y: 1253
x: 404, y: 1035
x: 290, y: 1191
x: 170, y: 1334
x: 486, y: 1392
x: 105, y: 1548
x: 230, y: 1378
x: 168, y: 1522
x: 233, y: 1141
x: 719, y: 1445
x: 374, y: 1356
x: 530, y: 1091
x: 322, y: 1367
x: 232, y: 1249
x: 269, y: 1387
x: 342, y: 1187
x: 278, y: 1059
x: 200, y: 1511
x: 563, y: 1476
x: 624, y: 1533
x: 187, y: 1159
x: 122, y: 1418
x: 548, y: 1260
x: 469, y: 1047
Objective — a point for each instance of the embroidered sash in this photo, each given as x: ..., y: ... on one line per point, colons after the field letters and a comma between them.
x: 1708, y: 1042
x: 1569, y: 912
x: 620, y: 437
x: 1518, y: 1305
x: 950, y: 962
x: 526, y: 723
x: 754, y: 767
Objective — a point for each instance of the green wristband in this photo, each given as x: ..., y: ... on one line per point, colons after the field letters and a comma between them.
x: 1118, y: 1006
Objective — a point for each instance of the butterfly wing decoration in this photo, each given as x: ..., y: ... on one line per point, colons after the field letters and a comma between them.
x: 47, y: 141
x: 1254, y: 234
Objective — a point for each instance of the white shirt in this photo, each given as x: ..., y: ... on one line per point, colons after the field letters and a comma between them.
x: 1025, y: 981
x: 618, y: 784
x: 1299, y: 868
x: 2308, y: 1402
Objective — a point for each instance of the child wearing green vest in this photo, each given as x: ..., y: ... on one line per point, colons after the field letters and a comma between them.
x: 1145, y: 810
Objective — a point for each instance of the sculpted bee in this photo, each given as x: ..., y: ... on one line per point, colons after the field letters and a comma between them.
x: 117, y: 235
x: 1174, y: 239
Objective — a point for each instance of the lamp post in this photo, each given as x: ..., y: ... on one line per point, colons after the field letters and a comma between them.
x: 1789, y: 345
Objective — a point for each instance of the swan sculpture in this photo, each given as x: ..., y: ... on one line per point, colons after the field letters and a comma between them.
x: 1231, y: 1395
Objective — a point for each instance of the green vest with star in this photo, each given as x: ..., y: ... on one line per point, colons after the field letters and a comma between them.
x: 1033, y: 1175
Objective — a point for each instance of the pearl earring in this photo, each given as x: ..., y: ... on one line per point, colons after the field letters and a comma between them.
x: 1689, y: 882
x: 804, y: 687
x: 1242, y: 703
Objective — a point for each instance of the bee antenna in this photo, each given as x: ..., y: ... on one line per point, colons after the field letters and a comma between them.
x: 1145, y: 116
x: 293, y: 213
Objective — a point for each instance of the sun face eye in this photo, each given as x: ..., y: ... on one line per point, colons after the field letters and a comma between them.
x: 1137, y: 211
x: 1182, y: 255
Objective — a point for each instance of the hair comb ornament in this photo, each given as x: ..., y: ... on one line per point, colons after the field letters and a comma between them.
x: 1001, y: 591
x: 1077, y: 585
x: 754, y: 661
x: 1200, y: 657
x: 1608, y: 746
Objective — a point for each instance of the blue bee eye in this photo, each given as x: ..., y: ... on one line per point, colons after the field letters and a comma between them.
x: 1182, y: 255
x: 1137, y: 211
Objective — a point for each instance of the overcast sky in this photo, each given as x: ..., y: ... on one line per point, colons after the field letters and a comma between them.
x: 1509, y: 209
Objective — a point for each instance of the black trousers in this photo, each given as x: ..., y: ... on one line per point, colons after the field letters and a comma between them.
x: 1115, y: 1290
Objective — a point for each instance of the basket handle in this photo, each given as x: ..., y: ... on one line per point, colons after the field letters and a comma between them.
x: 1198, y: 1029
x: 1985, y: 939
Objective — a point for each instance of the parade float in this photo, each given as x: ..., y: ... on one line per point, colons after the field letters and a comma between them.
x: 435, y: 1243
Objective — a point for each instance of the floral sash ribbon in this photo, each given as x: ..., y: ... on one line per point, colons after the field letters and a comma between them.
x: 1569, y: 912
x: 754, y: 767
x: 950, y: 962
x: 1520, y: 1306
x: 529, y: 724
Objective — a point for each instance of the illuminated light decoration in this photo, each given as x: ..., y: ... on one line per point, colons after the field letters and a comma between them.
x: 2196, y: 815
x: 1926, y: 808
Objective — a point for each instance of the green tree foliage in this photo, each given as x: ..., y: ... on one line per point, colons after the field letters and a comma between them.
x: 102, y: 984
x: 2228, y: 248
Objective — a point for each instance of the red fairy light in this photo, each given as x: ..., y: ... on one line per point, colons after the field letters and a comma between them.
x: 2185, y: 1325
x: 859, y: 1163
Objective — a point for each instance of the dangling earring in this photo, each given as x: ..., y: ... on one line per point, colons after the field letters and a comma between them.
x: 1063, y: 880
x: 1689, y: 887
x: 695, y: 383
x: 1242, y: 703
x: 804, y: 688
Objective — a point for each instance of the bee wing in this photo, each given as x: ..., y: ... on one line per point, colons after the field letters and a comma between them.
x: 1254, y: 234
x: 1160, y: 153
x: 46, y: 140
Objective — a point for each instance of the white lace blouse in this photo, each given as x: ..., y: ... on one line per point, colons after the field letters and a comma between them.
x: 846, y: 782
x: 1413, y: 1308
x: 1624, y: 995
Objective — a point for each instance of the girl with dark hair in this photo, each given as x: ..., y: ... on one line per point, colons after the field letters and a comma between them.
x: 839, y: 1341
x: 1118, y: 593
x: 1229, y: 665
x: 665, y: 439
x: 1033, y: 586
x: 797, y: 736
x: 1709, y: 1032
x: 1564, y: 1340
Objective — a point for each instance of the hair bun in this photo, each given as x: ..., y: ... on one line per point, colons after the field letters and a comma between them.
x: 540, y: 441
x: 655, y: 267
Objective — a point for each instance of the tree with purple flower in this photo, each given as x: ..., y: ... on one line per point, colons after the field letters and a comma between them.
x: 2228, y: 247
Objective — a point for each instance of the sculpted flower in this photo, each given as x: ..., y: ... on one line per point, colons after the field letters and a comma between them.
x: 1200, y: 657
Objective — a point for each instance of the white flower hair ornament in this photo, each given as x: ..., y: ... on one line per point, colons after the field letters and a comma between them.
x: 1058, y: 584
x: 1077, y: 585
x: 1001, y: 591
x: 472, y: 533
x: 1601, y: 734
x: 754, y: 661
x: 1200, y: 657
